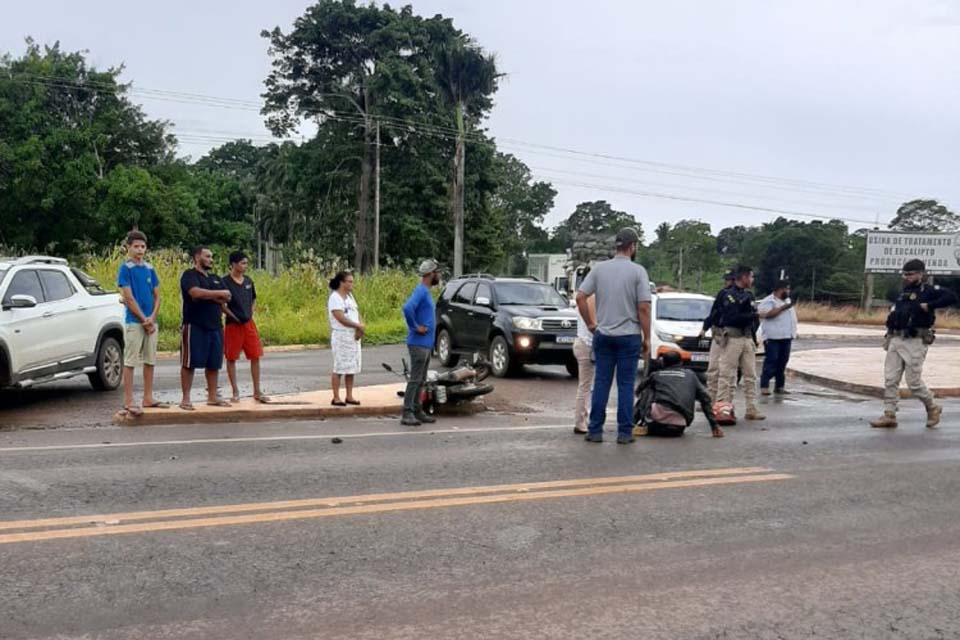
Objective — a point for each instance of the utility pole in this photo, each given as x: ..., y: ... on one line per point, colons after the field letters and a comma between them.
x: 680, y: 272
x: 376, y: 203
x: 868, y: 291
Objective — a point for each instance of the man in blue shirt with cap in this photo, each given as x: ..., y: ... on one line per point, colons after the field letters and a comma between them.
x: 420, y: 314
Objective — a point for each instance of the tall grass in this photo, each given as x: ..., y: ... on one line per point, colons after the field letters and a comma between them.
x: 291, y: 307
x: 849, y: 314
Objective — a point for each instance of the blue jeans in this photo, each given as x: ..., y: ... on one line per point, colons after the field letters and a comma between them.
x: 620, y: 353
x: 775, y: 363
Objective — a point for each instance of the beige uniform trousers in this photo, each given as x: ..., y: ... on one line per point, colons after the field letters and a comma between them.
x: 905, y: 356
x: 581, y: 352
x: 713, y: 369
x: 738, y: 353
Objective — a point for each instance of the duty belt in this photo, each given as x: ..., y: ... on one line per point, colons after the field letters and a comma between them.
x: 734, y: 332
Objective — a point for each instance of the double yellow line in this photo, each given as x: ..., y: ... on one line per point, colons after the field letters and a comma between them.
x: 263, y: 512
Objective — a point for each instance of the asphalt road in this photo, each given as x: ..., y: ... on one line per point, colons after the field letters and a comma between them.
x: 809, y: 525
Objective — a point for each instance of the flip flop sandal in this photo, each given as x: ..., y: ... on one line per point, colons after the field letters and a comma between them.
x: 187, y: 407
x: 338, y: 403
x: 262, y: 399
x: 136, y: 412
x: 355, y: 403
x: 234, y: 399
x: 157, y: 405
x: 219, y: 402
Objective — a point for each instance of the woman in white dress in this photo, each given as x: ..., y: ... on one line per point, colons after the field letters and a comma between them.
x: 346, y: 331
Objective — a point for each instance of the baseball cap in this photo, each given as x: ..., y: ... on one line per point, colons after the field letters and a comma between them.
x: 626, y: 237
x: 427, y: 267
x: 914, y: 265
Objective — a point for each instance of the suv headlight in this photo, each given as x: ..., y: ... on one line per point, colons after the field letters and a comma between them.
x: 669, y: 337
x: 527, y: 324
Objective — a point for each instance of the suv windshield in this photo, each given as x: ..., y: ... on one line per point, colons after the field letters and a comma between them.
x: 683, y: 309
x: 534, y: 294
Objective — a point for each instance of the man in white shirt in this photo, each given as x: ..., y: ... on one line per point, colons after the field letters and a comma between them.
x: 778, y: 321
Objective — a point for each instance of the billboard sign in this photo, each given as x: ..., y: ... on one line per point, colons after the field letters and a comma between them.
x: 888, y: 250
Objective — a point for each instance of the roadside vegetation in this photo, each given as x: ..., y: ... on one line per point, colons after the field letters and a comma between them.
x: 849, y: 314
x: 291, y: 307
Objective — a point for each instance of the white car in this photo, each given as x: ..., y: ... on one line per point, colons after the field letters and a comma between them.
x: 56, y: 323
x: 675, y: 323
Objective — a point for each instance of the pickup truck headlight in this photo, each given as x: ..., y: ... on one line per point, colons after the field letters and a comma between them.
x: 527, y: 324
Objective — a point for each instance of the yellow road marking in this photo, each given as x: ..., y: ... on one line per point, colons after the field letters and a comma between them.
x: 283, y: 516
x: 365, y: 499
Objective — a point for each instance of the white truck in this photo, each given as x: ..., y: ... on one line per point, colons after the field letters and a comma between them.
x: 550, y: 268
x: 57, y: 323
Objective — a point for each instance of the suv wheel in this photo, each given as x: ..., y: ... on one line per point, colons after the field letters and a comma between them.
x: 501, y: 363
x: 573, y: 368
x: 445, y: 349
x: 109, y: 371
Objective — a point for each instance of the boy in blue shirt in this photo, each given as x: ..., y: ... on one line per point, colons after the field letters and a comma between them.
x: 420, y: 314
x: 140, y: 288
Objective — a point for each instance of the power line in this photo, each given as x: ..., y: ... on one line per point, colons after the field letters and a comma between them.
x: 446, y: 131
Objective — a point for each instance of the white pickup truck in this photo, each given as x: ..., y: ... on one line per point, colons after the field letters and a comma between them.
x: 56, y: 323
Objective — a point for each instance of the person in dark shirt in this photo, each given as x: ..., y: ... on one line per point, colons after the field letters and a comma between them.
x: 909, y: 334
x: 667, y: 399
x: 201, y: 337
x: 241, y: 331
x: 738, y: 322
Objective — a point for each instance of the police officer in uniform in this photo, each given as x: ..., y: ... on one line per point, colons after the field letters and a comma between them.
x: 711, y: 323
x: 909, y: 334
x: 738, y: 322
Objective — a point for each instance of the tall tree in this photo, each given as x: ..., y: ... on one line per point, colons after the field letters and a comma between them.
x: 523, y: 204
x: 925, y: 216
x: 359, y: 64
x: 594, y: 218
x: 467, y: 78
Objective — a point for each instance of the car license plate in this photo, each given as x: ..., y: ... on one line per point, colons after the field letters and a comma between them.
x: 566, y: 339
x: 700, y: 357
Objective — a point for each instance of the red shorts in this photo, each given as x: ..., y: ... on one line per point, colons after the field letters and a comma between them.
x: 242, y: 337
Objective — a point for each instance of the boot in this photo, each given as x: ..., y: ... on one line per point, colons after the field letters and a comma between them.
x: 409, y: 420
x: 754, y: 414
x: 933, y: 415
x: 888, y: 421
x: 423, y: 417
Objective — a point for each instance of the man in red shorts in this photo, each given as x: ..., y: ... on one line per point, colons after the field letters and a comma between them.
x: 241, y: 331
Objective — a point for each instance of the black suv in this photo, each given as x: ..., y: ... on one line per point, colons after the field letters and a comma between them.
x: 515, y: 321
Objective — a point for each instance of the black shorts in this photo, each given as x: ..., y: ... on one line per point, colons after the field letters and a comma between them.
x: 201, y: 348
x: 664, y: 430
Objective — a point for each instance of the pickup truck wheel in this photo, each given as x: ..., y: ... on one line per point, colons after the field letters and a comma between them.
x: 573, y: 368
x: 445, y: 349
x: 109, y: 371
x: 501, y: 364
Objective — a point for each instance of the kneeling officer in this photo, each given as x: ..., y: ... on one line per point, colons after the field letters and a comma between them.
x: 909, y: 334
x: 667, y: 400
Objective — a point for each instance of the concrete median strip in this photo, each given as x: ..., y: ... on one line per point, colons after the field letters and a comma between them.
x: 378, y: 400
x: 288, y: 510
x: 860, y: 369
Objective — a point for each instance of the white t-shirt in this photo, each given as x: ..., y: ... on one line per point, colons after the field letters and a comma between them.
x: 336, y: 302
x: 782, y: 327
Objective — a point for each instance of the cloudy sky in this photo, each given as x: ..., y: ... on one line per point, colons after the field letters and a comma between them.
x: 836, y: 108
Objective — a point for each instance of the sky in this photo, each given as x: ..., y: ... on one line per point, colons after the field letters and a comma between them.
x: 835, y: 108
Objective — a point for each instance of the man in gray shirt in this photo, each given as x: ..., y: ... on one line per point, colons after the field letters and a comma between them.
x: 621, y: 332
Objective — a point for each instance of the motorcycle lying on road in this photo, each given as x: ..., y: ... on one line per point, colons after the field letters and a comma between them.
x: 454, y: 386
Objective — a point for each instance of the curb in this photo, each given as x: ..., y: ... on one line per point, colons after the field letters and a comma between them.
x: 864, y: 389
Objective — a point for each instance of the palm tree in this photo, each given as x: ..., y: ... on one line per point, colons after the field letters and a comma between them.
x: 467, y: 78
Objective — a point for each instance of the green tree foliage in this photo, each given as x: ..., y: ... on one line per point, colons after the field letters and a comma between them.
x: 925, y: 216
x: 522, y: 204
x: 593, y: 218
x: 65, y: 128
